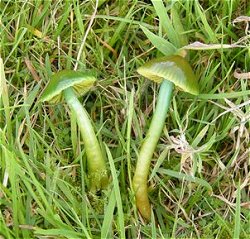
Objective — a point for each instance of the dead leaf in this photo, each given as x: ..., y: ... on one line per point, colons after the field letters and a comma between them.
x: 241, y: 19
x: 241, y: 75
x: 245, y: 19
x: 201, y: 46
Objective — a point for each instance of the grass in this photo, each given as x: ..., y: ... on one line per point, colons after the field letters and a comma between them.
x: 199, y: 182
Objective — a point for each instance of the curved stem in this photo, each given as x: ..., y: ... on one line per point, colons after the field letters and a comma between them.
x: 95, y: 160
x: 148, y: 147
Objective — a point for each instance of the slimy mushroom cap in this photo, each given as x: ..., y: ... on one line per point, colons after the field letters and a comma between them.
x: 173, y: 68
x: 81, y: 82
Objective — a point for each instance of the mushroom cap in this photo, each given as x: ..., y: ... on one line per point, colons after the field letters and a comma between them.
x: 173, y: 68
x: 81, y: 82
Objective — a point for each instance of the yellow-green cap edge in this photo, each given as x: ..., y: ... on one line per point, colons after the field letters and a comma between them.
x: 173, y: 68
x: 81, y: 82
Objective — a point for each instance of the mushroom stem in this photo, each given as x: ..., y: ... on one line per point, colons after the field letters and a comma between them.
x: 95, y: 160
x: 147, y: 149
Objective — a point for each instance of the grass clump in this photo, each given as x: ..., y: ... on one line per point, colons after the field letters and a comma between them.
x: 199, y: 178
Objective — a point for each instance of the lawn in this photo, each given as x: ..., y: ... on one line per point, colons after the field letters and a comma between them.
x: 199, y: 176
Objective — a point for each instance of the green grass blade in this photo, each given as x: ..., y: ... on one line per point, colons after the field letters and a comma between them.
x: 153, y: 226
x: 120, y: 28
x: 40, y: 12
x: 186, y: 177
x: 6, y: 232
x: 237, y: 221
x: 164, y: 46
x: 108, y: 216
x: 78, y: 16
x: 166, y: 23
x: 12, y: 170
x: 18, y: 40
x: 224, y: 95
x: 159, y: 162
x: 4, y: 98
x: 130, y: 114
x: 200, y: 136
x: 177, y: 24
x: 29, y: 101
x: 63, y: 21
x: 207, y: 29
x: 117, y: 194
x: 58, y: 232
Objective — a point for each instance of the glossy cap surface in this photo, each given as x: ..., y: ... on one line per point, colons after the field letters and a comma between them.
x: 81, y: 82
x: 173, y: 68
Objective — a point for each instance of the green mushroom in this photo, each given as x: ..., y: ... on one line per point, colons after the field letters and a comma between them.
x: 167, y: 71
x: 68, y: 85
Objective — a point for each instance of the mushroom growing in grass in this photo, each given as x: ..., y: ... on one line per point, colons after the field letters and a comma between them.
x: 167, y: 71
x: 67, y: 86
